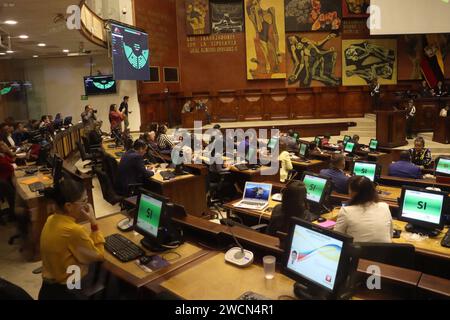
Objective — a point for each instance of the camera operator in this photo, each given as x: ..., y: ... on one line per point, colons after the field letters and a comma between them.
x: 89, y: 117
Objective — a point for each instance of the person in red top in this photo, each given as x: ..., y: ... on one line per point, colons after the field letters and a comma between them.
x: 115, y: 118
x: 6, y: 173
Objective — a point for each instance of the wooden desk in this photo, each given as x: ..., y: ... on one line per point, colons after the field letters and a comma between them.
x: 391, y: 128
x: 435, y: 285
x: 429, y: 247
x: 265, y: 214
x: 421, y: 183
x: 130, y: 272
x: 442, y: 130
x: 313, y: 165
x: 259, y: 175
x: 386, y: 193
x: 214, y: 279
x: 187, y: 190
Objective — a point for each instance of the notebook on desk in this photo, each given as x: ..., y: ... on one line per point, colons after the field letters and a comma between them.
x: 256, y: 196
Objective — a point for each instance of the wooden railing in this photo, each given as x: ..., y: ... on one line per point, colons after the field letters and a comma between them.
x: 92, y: 26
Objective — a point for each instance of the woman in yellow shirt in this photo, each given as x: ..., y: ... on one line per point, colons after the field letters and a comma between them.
x: 285, y: 161
x: 67, y: 248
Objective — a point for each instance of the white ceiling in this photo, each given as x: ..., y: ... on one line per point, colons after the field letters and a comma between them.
x: 36, y: 18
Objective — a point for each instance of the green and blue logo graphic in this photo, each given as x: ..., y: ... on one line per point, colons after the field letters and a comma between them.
x: 104, y: 84
x: 137, y: 61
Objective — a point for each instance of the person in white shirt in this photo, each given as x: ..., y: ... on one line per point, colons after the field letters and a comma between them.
x: 285, y: 160
x: 410, y: 115
x: 365, y: 218
x: 444, y: 112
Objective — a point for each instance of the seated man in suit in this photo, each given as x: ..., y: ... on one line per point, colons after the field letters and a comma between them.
x: 336, y: 173
x: 404, y: 168
x: 131, y: 168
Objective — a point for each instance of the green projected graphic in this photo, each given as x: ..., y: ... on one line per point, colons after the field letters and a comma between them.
x: 314, y: 187
x: 149, y: 215
x: 138, y: 62
x: 367, y: 170
x: 104, y: 85
x: 443, y: 166
x: 5, y: 91
x: 373, y: 144
x: 423, y: 206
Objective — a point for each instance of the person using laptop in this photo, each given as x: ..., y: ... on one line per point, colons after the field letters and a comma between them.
x: 404, y: 168
x: 285, y: 161
x: 65, y: 243
x: 365, y: 218
x: 336, y: 173
x: 293, y: 205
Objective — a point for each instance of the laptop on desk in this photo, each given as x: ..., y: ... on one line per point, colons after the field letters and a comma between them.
x: 256, y: 196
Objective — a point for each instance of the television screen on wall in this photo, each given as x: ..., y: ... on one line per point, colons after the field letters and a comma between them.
x: 97, y: 85
x: 130, y: 52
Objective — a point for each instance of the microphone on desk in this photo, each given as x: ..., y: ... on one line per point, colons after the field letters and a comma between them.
x: 237, y: 255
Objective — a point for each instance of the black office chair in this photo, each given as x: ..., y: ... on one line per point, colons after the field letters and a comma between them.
x: 91, y: 148
x: 109, y: 194
x: 10, y: 291
x: 216, y: 185
x: 394, y: 254
x: 110, y: 167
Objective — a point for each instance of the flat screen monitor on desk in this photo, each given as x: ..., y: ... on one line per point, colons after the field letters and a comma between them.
x: 443, y: 167
x: 349, y: 147
x: 373, y: 145
x: 318, y: 141
x: 369, y: 170
x: 317, y: 187
x: 303, y: 150
x: 273, y: 143
x: 318, y: 259
x: 346, y: 139
x: 423, y: 209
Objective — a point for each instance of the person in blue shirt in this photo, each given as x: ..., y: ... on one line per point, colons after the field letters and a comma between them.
x: 132, y: 169
x: 404, y: 168
x: 336, y: 173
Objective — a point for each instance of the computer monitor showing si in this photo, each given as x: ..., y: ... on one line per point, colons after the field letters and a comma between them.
x: 443, y: 166
x: 317, y: 187
x: 303, y: 150
x: 369, y: 170
x: 318, y: 259
x: 349, y: 147
x: 423, y: 209
x: 373, y: 145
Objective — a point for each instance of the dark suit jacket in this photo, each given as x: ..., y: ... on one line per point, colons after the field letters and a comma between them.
x: 131, y: 170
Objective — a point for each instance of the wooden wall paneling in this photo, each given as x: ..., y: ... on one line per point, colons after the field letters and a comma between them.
x: 353, y: 103
x: 327, y: 102
x: 226, y: 106
x: 251, y: 105
x: 276, y: 104
x: 302, y: 104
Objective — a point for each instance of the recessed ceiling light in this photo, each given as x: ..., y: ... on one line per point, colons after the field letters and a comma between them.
x: 23, y: 36
x: 35, y: 56
x: 66, y: 51
x: 10, y: 22
x: 9, y: 51
x: 41, y: 44
x: 2, y: 53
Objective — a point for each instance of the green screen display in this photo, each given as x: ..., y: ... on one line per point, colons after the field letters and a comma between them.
x: 317, y: 141
x: 149, y: 215
x: 443, y: 166
x: 349, y: 147
x: 272, y: 143
x: 367, y: 170
x: 314, y: 187
x: 302, y: 150
x: 373, y: 144
x: 346, y: 139
x: 423, y: 206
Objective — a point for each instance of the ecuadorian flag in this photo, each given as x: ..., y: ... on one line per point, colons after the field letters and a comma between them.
x: 432, y: 64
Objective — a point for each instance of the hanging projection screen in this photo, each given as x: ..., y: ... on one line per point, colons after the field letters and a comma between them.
x: 410, y: 16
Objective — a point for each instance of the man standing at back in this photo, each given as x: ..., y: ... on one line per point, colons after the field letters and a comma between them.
x: 124, y: 109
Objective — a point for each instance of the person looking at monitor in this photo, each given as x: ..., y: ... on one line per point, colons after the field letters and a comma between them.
x: 65, y: 243
x: 131, y: 169
x: 336, y: 173
x: 404, y: 168
x: 293, y: 205
x: 420, y: 155
x: 365, y: 218
x: 285, y: 160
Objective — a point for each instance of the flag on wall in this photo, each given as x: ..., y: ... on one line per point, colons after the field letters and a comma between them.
x: 432, y: 64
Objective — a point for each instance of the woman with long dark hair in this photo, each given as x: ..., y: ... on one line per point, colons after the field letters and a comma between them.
x: 293, y: 205
x: 115, y: 119
x: 365, y: 218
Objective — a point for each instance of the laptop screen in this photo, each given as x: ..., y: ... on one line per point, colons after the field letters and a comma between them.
x: 257, y: 191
